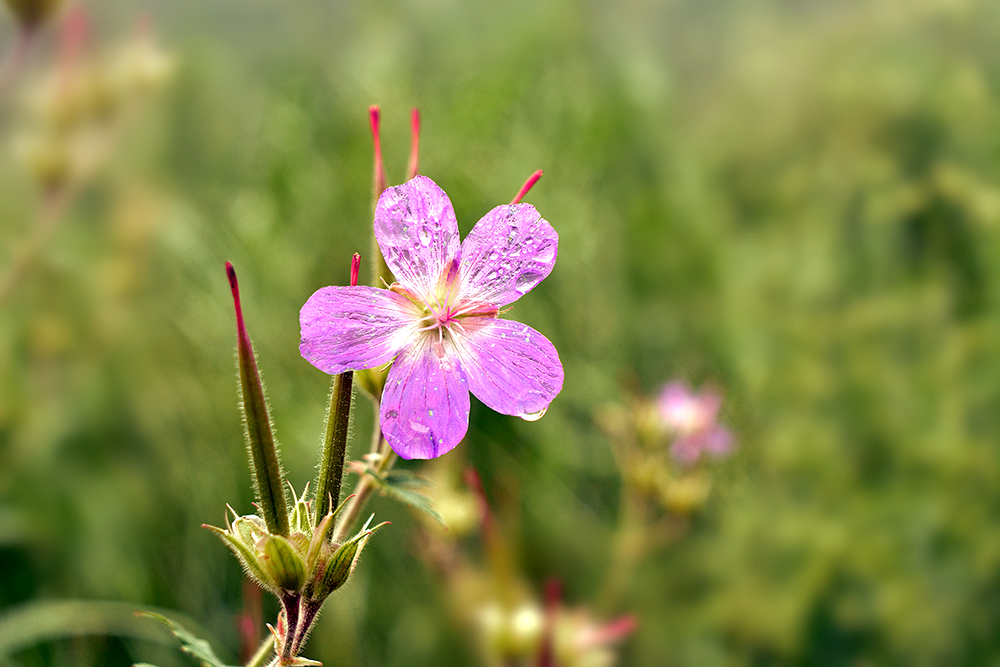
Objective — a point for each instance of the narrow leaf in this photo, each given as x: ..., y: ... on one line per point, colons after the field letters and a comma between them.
x: 404, y: 486
x: 198, y: 648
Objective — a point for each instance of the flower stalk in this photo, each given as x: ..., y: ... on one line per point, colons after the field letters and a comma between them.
x: 331, y: 469
x: 266, y: 465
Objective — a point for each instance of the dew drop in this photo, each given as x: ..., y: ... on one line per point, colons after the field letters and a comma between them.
x: 424, y: 236
x: 534, y: 416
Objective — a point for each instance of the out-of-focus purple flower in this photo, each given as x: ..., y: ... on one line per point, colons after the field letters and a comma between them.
x: 692, y: 419
x: 439, y: 323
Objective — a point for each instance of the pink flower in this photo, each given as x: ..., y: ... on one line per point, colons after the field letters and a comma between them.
x: 692, y: 419
x: 439, y: 324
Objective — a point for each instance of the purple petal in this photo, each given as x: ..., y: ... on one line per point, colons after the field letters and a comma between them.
x: 416, y: 230
x: 510, y: 367
x: 507, y: 253
x: 351, y: 328
x: 686, y: 449
x: 425, y: 405
x: 718, y: 441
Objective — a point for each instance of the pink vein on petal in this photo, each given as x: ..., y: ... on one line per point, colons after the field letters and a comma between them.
x: 417, y: 232
x: 510, y: 367
x: 352, y: 328
x: 425, y: 405
x: 509, y: 251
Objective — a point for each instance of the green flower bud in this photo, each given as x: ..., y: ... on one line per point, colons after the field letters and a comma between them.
x: 282, y: 563
x: 335, y: 566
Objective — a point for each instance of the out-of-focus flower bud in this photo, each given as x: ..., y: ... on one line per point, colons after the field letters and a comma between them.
x: 684, y: 494
x: 140, y: 67
x: 33, y: 13
x: 511, y: 634
x: 47, y: 159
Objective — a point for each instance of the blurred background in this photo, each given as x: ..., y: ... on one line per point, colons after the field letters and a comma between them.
x: 794, y: 202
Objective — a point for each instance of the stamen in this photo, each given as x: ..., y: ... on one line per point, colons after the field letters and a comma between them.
x: 528, y: 184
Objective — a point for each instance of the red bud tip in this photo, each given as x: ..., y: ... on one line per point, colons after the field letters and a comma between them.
x: 528, y: 184
x: 235, y: 287
x: 355, y: 268
x: 374, y: 114
x: 415, y: 145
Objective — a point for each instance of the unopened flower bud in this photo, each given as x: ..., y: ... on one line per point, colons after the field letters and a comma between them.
x: 281, y: 562
x: 334, y: 567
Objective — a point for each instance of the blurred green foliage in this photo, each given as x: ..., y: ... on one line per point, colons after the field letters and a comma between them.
x: 798, y: 201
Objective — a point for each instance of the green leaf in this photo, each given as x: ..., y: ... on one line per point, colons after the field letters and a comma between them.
x: 404, y: 486
x: 199, y: 648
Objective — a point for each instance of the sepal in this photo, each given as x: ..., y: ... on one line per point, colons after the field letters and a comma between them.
x: 332, y: 572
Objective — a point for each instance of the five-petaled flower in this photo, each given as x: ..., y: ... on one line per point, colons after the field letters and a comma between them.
x: 439, y: 324
x: 692, y: 418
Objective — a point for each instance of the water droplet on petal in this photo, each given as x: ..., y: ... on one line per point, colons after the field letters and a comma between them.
x: 424, y: 236
x: 534, y: 416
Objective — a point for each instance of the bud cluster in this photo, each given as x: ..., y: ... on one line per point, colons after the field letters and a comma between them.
x: 302, y: 569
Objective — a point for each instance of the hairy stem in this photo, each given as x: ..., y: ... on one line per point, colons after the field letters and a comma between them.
x: 365, y: 486
x: 331, y: 469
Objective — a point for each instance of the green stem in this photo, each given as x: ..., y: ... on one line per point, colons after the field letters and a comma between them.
x: 331, y: 469
x: 259, y: 659
x: 365, y: 486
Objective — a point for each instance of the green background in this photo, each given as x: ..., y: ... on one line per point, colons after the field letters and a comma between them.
x: 796, y: 201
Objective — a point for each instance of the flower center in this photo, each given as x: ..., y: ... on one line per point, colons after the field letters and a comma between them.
x: 444, y: 310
